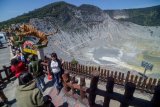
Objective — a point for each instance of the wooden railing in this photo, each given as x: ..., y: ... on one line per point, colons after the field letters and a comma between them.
x: 88, y: 95
x: 5, y: 74
x: 143, y: 84
x: 126, y: 99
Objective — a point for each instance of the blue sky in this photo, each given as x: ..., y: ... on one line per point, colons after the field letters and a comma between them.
x: 13, y: 8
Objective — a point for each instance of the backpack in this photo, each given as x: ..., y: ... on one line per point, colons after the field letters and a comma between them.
x: 36, y: 68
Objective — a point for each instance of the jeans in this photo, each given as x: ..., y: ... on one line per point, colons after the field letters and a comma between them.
x: 57, y: 80
x: 40, y: 82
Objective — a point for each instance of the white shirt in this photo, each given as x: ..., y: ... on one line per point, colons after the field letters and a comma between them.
x: 55, y: 67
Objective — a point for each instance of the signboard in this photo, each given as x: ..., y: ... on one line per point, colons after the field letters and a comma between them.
x: 147, y: 65
x: 29, y: 47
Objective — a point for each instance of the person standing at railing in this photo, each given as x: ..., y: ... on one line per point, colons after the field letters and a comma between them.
x: 48, y: 68
x: 3, y: 98
x: 17, y: 67
x: 10, y: 40
x: 19, y: 55
x: 56, y: 70
x: 36, y: 69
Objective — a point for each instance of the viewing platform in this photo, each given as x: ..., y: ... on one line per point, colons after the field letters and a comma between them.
x: 95, y: 87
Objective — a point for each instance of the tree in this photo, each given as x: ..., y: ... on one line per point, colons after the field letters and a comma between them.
x: 74, y: 62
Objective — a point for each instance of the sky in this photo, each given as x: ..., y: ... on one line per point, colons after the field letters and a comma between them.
x: 12, y: 8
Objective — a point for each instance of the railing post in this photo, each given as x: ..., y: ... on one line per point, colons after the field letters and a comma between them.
x: 127, y: 77
x: 6, y: 72
x: 109, y: 89
x: 99, y: 68
x: 1, y: 80
x: 143, y: 86
x: 153, y: 85
x: 158, y: 82
x: 93, y: 88
x: 156, y: 97
x: 82, y: 84
x: 66, y: 79
x: 72, y: 82
x: 104, y: 74
x: 128, y: 95
x: 122, y: 79
x: 115, y: 76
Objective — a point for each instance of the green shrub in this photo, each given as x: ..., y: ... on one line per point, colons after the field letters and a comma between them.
x: 74, y: 62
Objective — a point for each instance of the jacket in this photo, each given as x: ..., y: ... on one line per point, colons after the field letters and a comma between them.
x: 18, y: 69
x: 29, y: 96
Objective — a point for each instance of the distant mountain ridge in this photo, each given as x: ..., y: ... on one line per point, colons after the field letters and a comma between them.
x: 149, y: 16
x: 145, y: 16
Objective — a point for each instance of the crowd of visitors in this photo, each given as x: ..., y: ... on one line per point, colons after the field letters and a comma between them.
x: 30, y: 79
x: 29, y: 75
